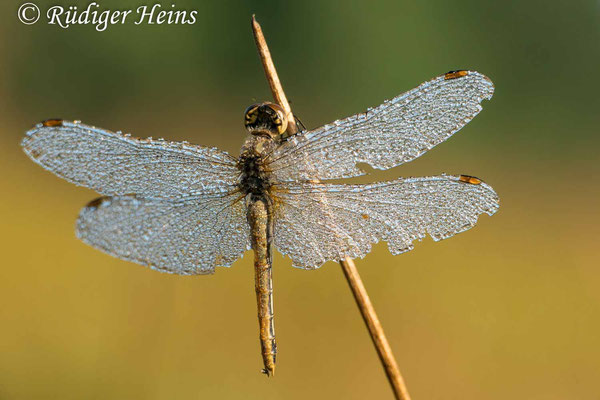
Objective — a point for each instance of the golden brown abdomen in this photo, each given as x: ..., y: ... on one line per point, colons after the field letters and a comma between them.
x: 259, y: 218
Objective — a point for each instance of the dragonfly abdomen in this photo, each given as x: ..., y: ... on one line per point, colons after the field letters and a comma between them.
x: 259, y: 218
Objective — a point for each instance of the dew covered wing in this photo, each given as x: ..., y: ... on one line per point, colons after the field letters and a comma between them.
x: 116, y: 164
x: 316, y: 222
x: 187, y: 236
x: 395, y: 132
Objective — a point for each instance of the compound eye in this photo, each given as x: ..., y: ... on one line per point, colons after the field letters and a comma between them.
x: 251, y: 114
x: 280, y: 120
x: 282, y: 125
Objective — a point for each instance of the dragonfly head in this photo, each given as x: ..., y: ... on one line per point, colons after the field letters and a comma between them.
x: 265, y: 118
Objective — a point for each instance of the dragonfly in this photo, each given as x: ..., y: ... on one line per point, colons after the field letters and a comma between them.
x: 186, y: 209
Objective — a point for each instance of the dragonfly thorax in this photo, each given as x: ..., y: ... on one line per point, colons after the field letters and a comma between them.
x: 255, y: 178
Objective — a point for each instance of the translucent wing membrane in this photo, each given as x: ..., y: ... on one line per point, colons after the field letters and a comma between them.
x: 116, y: 164
x: 318, y: 222
x: 178, y: 208
x: 395, y: 132
x: 186, y: 236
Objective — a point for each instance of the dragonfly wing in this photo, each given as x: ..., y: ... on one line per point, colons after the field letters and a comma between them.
x: 185, y: 236
x: 395, y: 132
x: 317, y: 222
x: 117, y: 164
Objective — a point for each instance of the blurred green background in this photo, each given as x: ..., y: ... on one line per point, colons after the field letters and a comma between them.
x: 509, y: 309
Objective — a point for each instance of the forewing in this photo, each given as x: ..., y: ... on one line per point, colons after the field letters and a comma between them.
x: 316, y: 222
x: 395, y: 132
x: 116, y: 164
x: 187, y: 236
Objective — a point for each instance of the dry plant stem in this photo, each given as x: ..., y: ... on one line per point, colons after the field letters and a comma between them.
x: 375, y: 329
x: 358, y: 289
x: 271, y: 74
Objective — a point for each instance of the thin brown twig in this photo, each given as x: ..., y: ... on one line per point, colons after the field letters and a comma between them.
x: 272, y: 78
x: 375, y: 329
x: 350, y: 272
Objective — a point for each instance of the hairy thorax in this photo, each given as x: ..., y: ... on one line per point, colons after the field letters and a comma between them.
x: 255, y: 178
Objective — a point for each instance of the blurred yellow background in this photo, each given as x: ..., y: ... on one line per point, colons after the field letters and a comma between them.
x: 509, y: 309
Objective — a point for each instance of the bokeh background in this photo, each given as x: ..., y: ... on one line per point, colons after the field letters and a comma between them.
x: 509, y: 309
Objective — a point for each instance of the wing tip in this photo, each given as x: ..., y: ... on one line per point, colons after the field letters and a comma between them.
x: 47, y: 123
x: 487, y: 81
x: 96, y: 203
x: 472, y: 180
x: 455, y: 74
x: 461, y: 73
x: 52, y: 122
